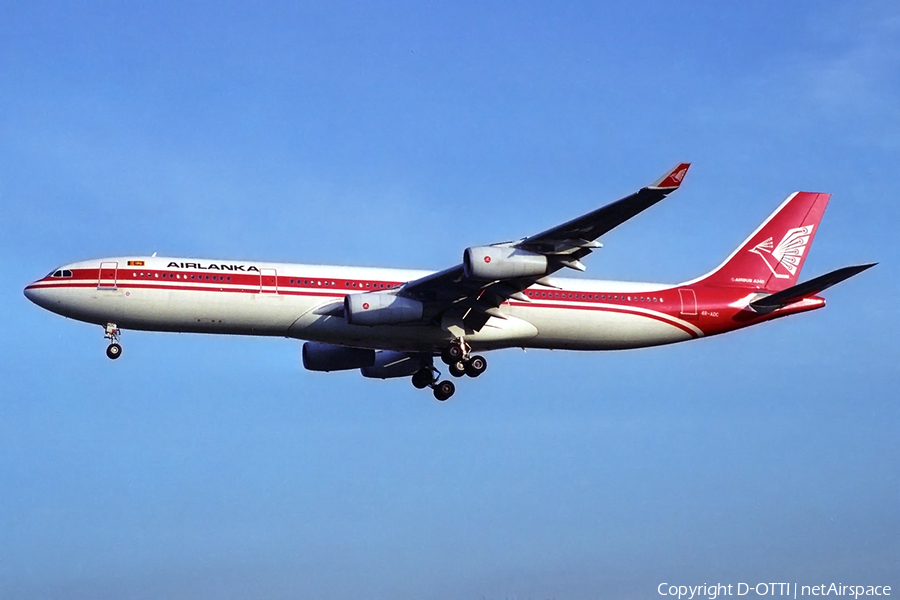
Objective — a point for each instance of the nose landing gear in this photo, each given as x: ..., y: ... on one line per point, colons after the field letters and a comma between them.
x: 114, y: 350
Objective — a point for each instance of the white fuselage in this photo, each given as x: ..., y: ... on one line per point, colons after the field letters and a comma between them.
x: 304, y: 302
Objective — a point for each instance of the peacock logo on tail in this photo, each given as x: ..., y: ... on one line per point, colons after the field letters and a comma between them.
x: 788, y: 254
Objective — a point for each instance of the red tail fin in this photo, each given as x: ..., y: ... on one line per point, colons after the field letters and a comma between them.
x: 771, y: 258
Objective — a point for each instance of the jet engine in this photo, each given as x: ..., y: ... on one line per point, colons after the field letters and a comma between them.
x: 318, y: 356
x: 389, y: 363
x: 381, y: 309
x: 502, y: 262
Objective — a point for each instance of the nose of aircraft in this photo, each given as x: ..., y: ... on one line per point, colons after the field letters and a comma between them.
x: 32, y: 294
x: 38, y: 295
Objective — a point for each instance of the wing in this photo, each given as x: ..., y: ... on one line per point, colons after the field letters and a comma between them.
x: 474, y: 300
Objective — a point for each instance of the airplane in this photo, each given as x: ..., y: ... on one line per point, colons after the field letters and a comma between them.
x: 394, y: 323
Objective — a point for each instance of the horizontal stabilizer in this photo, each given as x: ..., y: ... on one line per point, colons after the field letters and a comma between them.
x: 806, y: 289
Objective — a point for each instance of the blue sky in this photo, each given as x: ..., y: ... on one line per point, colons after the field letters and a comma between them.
x: 397, y: 135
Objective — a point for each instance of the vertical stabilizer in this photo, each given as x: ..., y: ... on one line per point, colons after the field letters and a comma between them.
x: 771, y: 258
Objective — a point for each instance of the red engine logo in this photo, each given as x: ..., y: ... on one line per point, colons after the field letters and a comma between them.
x: 487, y: 259
x: 365, y: 306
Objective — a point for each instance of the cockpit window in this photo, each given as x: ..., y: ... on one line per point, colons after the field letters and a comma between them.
x: 61, y: 273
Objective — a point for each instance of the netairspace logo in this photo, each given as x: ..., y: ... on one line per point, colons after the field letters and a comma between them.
x: 713, y: 591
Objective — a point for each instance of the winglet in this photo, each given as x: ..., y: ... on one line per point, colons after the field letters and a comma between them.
x: 672, y: 179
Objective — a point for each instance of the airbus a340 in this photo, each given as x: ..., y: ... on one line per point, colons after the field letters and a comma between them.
x: 392, y: 323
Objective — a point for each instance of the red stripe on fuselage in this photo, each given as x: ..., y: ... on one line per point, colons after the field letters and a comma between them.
x: 244, y: 283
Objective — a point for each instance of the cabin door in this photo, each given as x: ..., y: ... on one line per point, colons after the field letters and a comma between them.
x: 688, y: 302
x: 107, y: 278
x: 268, y: 281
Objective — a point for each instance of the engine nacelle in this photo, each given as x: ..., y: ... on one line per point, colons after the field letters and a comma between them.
x: 389, y: 363
x: 381, y: 309
x: 318, y: 356
x: 500, y: 262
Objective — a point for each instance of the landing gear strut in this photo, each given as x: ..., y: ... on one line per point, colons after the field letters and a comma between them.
x: 455, y: 352
x: 114, y: 350
x: 428, y: 376
x: 422, y: 378
x: 460, y: 362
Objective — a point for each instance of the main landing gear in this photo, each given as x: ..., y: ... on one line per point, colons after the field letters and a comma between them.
x: 114, y: 350
x: 456, y: 356
x: 459, y: 363
x: 428, y: 377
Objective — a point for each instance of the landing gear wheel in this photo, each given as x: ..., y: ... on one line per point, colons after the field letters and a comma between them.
x: 443, y: 390
x: 452, y: 353
x: 457, y: 369
x: 475, y: 366
x: 422, y: 378
x: 111, y: 332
